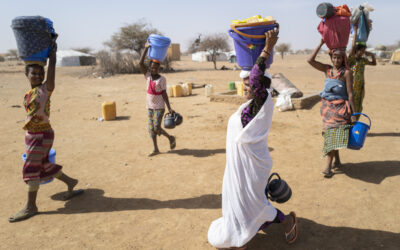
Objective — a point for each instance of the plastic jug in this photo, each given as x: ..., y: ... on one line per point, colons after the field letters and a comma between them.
x: 109, y: 111
x: 185, y: 89
x: 177, y: 90
x: 190, y: 86
x: 240, y: 88
x: 169, y: 91
x: 209, y: 90
x: 231, y: 86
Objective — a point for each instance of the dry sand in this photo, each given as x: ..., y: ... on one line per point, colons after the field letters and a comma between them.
x: 169, y: 201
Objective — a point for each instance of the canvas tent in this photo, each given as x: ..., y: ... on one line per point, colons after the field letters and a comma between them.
x: 74, y: 58
x: 395, y: 57
x: 204, y: 56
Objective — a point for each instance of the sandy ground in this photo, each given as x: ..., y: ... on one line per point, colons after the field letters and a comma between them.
x: 169, y: 201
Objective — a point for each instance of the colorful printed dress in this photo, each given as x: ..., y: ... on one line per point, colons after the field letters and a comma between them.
x: 39, y: 136
x: 335, y: 116
x: 358, y: 67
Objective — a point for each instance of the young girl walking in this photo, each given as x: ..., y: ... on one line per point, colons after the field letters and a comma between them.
x: 39, y: 138
x: 156, y: 100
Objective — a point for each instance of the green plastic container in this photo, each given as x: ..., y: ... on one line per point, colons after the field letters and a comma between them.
x: 231, y: 86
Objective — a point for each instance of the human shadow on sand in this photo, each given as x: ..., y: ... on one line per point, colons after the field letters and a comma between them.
x: 93, y: 200
x: 383, y: 134
x: 317, y: 236
x: 198, y: 152
x: 373, y: 171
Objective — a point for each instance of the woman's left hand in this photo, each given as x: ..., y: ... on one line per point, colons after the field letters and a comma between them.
x: 271, y: 37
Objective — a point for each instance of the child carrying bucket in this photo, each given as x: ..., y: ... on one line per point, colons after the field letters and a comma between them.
x: 39, y: 137
x: 156, y: 99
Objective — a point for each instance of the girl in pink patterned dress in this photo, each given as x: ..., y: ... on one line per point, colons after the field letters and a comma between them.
x: 39, y: 138
x: 156, y: 99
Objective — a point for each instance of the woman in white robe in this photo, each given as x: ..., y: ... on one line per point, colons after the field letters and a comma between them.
x: 245, y: 208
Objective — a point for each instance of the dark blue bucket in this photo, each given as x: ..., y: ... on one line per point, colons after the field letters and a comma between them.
x: 52, y: 159
x: 249, y: 49
x: 358, y: 133
x: 34, y: 36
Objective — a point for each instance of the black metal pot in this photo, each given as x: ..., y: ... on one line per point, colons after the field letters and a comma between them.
x: 325, y: 10
x: 169, y: 121
x: 277, y: 190
x: 178, y: 119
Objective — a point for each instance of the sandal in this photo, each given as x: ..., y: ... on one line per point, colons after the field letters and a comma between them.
x: 22, y: 215
x: 328, y: 175
x: 172, y: 142
x: 291, y: 230
x: 154, y: 153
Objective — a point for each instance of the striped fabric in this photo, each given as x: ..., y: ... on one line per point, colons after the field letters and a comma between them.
x: 335, y: 138
x: 37, y: 165
x: 335, y: 113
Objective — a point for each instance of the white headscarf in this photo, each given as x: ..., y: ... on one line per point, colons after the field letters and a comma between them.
x: 245, y: 74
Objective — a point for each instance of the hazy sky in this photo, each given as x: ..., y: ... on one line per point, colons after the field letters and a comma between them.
x: 90, y: 23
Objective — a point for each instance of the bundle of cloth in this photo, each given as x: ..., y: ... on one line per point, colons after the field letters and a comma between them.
x: 360, y: 18
x: 335, y: 30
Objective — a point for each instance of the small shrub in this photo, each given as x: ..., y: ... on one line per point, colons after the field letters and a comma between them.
x: 2, y: 59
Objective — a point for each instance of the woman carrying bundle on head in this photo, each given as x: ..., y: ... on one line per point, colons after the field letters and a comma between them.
x: 357, y: 63
x: 40, y: 136
x: 156, y: 99
x: 337, y: 105
x: 245, y: 207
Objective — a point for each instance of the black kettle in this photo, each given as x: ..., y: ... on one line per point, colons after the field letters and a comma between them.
x: 178, y: 119
x: 169, y: 121
x: 277, y: 190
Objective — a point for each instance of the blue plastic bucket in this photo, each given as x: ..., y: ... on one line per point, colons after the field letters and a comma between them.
x: 249, y: 49
x: 358, y: 133
x: 158, y: 47
x: 52, y: 159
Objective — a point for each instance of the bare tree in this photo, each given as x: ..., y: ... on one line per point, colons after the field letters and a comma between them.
x: 13, y: 53
x: 194, y: 44
x: 214, y: 44
x: 86, y: 50
x: 132, y: 37
x: 282, y: 48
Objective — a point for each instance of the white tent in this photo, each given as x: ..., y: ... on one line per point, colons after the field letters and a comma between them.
x: 74, y: 58
x: 204, y: 56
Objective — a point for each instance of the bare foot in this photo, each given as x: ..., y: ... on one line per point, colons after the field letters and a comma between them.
x: 328, y: 173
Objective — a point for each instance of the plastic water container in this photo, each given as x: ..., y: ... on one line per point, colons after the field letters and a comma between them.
x: 209, y: 90
x: 231, y: 86
x: 109, y: 111
x: 34, y: 36
x: 358, y: 133
x: 158, y: 47
x: 185, y: 89
x: 248, y: 48
x: 52, y: 159
x: 169, y: 91
x: 240, y: 88
x: 190, y: 86
x: 177, y: 90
